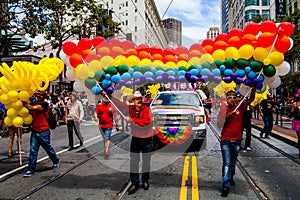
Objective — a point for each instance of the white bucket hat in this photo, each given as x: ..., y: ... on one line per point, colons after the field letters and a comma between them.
x: 136, y: 94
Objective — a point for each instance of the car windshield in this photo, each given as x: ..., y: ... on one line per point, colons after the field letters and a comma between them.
x: 189, y: 99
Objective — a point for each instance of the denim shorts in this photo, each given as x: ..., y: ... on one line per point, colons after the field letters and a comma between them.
x: 106, y: 132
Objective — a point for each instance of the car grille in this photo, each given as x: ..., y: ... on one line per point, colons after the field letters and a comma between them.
x: 173, y: 120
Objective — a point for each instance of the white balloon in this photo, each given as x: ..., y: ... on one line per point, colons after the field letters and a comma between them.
x: 283, y: 69
x: 292, y: 43
x: 70, y: 74
x: 269, y: 79
x: 75, y: 41
x: 117, y: 94
x: 78, y: 85
x: 276, y: 83
x: 244, y: 89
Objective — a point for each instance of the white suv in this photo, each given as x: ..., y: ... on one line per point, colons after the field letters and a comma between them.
x: 179, y: 110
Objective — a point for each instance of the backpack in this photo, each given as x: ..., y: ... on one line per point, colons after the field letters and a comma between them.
x: 51, y: 120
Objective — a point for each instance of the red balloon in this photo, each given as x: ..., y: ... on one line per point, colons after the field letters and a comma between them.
x: 287, y: 27
x: 234, y: 41
x: 208, y: 49
x: 69, y: 47
x: 97, y: 41
x: 87, y: 52
x: 268, y: 26
x: 116, y: 51
x: 142, y: 47
x: 114, y: 42
x: 235, y: 32
x: 127, y: 44
x: 195, y: 53
x: 265, y: 39
x: 282, y: 44
x: 181, y: 50
x: 222, y: 37
x: 75, y: 60
x: 251, y: 28
x: 84, y: 43
x: 198, y: 46
x: 155, y: 50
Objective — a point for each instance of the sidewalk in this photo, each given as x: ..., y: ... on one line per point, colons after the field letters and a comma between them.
x: 284, y: 133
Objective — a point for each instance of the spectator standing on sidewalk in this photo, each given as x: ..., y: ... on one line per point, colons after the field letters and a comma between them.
x: 231, y: 136
x: 40, y: 133
x: 75, y: 116
x: 12, y: 131
x: 105, y: 114
x: 266, y: 109
x: 295, y: 112
x: 246, y: 125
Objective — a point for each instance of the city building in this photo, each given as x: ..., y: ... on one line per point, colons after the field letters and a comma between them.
x: 213, y: 32
x: 140, y: 21
x: 224, y: 16
x: 292, y: 5
x: 173, y: 28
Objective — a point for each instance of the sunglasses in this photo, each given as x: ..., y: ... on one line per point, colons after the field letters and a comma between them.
x: 231, y: 97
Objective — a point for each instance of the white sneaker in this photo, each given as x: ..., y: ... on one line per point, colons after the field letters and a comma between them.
x: 248, y: 149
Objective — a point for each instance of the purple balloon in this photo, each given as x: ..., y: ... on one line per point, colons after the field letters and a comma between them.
x: 128, y: 84
x: 247, y: 81
x: 227, y: 79
x: 233, y: 76
x: 109, y: 90
x: 149, y: 80
x: 182, y: 79
x: 137, y: 82
x: 118, y: 86
x: 159, y: 79
x: 171, y: 78
x: 204, y: 78
x: 255, y: 81
x: 217, y: 79
x: 259, y: 85
x: 188, y: 75
x: 194, y: 79
x: 143, y: 78
x: 238, y: 80
x: 165, y: 75
x: 121, y: 82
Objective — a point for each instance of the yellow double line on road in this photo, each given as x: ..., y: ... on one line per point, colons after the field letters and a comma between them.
x: 185, y: 178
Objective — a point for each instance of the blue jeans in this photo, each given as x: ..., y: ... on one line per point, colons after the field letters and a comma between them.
x: 138, y: 145
x: 38, y: 139
x: 230, y: 151
x: 268, y: 121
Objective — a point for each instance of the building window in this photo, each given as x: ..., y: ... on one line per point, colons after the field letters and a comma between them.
x: 126, y: 22
x: 250, y: 14
x: 135, y: 1
x: 112, y: 1
x: 265, y: 2
x: 135, y: 28
x: 252, y: 3
x: 135, y: 10
x: 266, y: 14
x: 126, y: 4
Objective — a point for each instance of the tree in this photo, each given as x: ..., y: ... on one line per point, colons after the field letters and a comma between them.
x: 60, y: 20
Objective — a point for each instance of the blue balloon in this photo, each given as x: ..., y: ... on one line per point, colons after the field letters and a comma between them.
x: 126, y: 76
x: 247, y: 69
x: 115, y: 78
x: 130, y: 70
x: 153, y: 70
x: 216, y: 72
x: 228, y: 72
x: 96, y: 90
x: 106, y: 83
x: 240, y: 72
x: 171, y: 73
x: 194, y: 72
x: 222, y: 68
x: 251, y: 75
x: 148, y: 74
x: 159, y: 73
x: 107, y: 76
x: 261, y: 78
x: 205, y: 72
x: 181, y: 73
x: 199, y: 68
x: 137, y: 75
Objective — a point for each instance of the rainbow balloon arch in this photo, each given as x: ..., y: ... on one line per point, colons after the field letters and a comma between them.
x: 250, y: 57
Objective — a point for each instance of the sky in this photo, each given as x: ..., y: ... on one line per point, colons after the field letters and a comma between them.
x: 197, y: 16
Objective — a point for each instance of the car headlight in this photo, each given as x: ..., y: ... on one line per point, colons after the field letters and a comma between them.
x: 199, y: 119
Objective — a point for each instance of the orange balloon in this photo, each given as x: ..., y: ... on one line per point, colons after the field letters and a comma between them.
x: 183, y: 57
x: 103, y: 51
x: 248, y: 39
x: 170, y: 58
x: 283, y: 44
x: 234, y: 41
x: 75, y: 60
x: 195, y: 53
x: 208, y: 49
x: 157, y: 57
x: 220, y: 45
x: 143, y: 54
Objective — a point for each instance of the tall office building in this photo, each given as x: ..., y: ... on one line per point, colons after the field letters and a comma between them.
x: 213, y: 33
x: 173, y: 28
x: 224, y: 16
x: 140, y: 21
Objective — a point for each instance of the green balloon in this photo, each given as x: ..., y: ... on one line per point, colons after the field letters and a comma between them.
x: 159, y: 68
x: 256, y: 66
x: 99, y: 75
x: 89, y: 82
x: 136, y: 68
x: 123, y: 68
x: 269, y: 70
x: 192, y: 67
x: 217, y: 64
x: 229, y: 63
x: 146, y: 68
x: 205, y: 65
x: 184, y: 68
x: 242, y: 63
x: 111, y: 70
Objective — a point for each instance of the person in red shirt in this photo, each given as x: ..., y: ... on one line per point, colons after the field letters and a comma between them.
x: 105, y: 114
x: 40, y: 134
x: 230, y: 121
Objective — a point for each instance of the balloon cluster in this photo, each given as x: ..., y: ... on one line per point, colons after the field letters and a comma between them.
x: 253, y: 56
x: 173, y: 135
x: 20, y: 81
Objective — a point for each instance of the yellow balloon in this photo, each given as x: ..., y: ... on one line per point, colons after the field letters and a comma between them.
x: 246, y: 51
x: 267, y: 61
x: 132, y: 60
x: 206, y: 58
x: 28, y: 119
x: 8, y: 121
x: 106, y: 61
x: 145, y: 61
x: 18, y: 121
x: 82, y: 71
x: 158, y: 62
x: 260, y: 54
x: 95, y: 65
x: 17, y: 104
x: 13, y: 95
x: 24, y: 95
x: 4, y: 99
x: 182, y: 63
x: 12, y: 112
x: 171, y: 64
x: 26, y: 84
x: 276, y: 58
x: 219, y: 54
x: 16, y: 84
x: 230, y: 52
x: 23, y: 112
x: 195, y: 61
